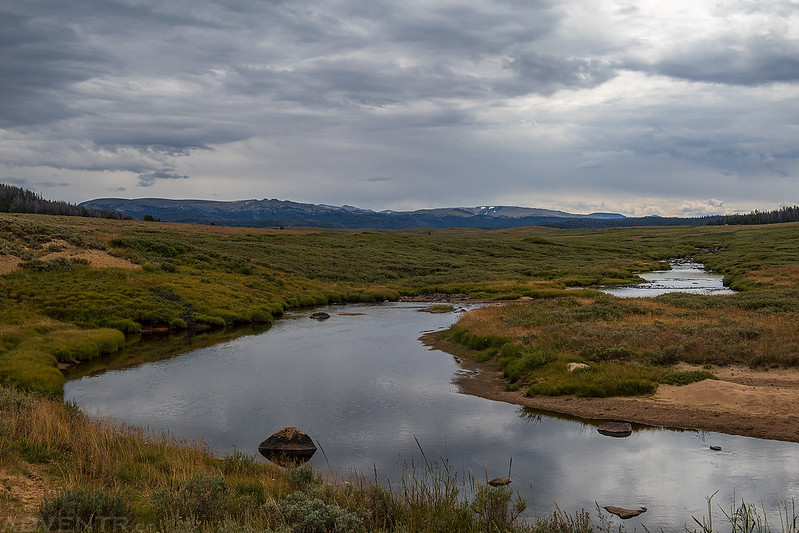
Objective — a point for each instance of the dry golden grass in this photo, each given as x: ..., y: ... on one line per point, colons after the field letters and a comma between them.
x: 72, y: 450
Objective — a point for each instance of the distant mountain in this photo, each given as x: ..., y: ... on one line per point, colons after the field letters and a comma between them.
x: 267, y: 213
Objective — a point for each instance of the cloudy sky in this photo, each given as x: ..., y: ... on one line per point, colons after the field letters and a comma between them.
x: 681, y: 107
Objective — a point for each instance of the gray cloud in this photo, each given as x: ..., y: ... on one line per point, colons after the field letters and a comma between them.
x: 757, y: 60
x: 149, y: 179
x: 490, y: 101
x: 546, y: 74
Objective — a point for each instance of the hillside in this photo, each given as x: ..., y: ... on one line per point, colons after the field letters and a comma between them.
x: 282, y: 213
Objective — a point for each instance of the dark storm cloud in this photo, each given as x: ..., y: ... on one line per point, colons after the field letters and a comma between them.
x: 438, y: 95
x: 757, y: 60
x: 39, y: 60
x: 546, y: 74
x: 147, y: 180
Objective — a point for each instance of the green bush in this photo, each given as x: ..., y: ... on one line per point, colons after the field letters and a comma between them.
x: 599, y: 352
x: 203, y: 499
x: 125, y: 325
x: 177, y: 323
x: 307, y: 512
x: 81, y: 510
x: 475, y: 342
x: 496, y: 508
x: 666, y: 355
x: 516, y: 361
x: 686, y: 377
x: 214, y: 321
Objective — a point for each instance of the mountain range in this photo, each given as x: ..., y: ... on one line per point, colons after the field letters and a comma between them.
x: 282, y: 213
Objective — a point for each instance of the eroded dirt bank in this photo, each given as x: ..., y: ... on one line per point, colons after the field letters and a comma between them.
x: 742, y: 401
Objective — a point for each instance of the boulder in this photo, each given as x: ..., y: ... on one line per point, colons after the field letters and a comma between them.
x: 716, y: 448
x: 624, y: 514
x: 499, y: 481
x: 319, y: 315
x: 288, y: 446
x: 573, y: 367
x: 615, y: 429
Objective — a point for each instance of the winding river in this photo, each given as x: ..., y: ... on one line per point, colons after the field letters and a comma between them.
x: 364, y: 387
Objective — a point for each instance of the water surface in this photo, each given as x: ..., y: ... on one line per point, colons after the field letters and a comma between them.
x: 366, y: 389
x: 684, y: 276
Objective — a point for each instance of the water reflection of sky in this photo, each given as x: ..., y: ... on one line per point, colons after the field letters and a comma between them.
x: 364, y: 387
x: 683, y: 277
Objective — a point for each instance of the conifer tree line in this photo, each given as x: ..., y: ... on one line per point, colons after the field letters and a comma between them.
x: 786, y: 214
x: 18, y: 200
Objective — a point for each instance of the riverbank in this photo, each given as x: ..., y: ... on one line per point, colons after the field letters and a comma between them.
x: 752, y: 403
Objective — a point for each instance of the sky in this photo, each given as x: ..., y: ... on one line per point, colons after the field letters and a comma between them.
x: 677, y: 108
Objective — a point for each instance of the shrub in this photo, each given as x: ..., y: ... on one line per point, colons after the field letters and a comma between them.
x: 81, y: 510
x: 177, y: 323
x: 475, y: 342
x: 619, y: 352
x: 203, y: 498
x: 687, y: 376
x: 666, y: 355
x: 125, y: 325
x: 496, y: 508
x: 214, y: 321
x: 306, y: 512
x: 516, y: 361
x: 300, y: 477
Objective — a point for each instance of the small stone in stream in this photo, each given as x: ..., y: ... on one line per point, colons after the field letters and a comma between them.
x: 499, y: 481
x: 716, y: 448
x: 624, y: 514
x: 616, y: 429
x: 319, y: 315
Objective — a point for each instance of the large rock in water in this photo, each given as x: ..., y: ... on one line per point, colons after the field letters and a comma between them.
x: 624, y: 514
x: 616, y: 429
x: 288, y: 446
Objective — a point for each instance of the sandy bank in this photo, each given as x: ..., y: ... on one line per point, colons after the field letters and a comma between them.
x: 742, y: 401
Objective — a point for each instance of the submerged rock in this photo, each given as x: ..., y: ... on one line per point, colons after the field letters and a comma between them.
x: 289, y: 446
x: 616, y: 429
x: 319, y: 315
x: 624, y: 514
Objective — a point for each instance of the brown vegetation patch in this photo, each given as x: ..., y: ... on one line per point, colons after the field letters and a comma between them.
x: 784, y: 277
x: 96, y: 258
x: 8, y: 264
x: 22, y: 493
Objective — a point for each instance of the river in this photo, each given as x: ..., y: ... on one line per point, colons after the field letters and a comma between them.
x: 364, y: 387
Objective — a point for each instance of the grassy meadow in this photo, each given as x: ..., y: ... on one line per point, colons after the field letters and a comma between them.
x: 77, y: 290
x: 629, y: 346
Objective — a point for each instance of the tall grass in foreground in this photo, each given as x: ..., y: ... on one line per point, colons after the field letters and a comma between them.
x: 103, y: 477
x: 747, y: 518
x: 95, y: 468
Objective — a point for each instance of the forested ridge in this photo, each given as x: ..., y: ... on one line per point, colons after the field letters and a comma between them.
x: 777, y: 216
x: 18, y: 200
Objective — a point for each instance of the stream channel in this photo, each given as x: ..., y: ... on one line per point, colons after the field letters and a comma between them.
x: 364, y: 387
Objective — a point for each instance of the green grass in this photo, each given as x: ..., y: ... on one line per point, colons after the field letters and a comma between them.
x: 200, y: 277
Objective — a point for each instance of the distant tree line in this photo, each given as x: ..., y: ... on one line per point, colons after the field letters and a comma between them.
x: 18, y: 200
x: 786, y: 214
